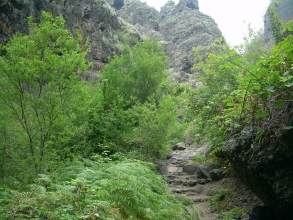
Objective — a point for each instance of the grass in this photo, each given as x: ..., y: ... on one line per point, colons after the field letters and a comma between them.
x: 200, y: 158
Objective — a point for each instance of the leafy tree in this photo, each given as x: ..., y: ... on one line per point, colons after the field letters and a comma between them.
x: 254, y: 47
x: 275, y: 21
x: 154, y: 126
x: 268, y: 91
x: 38, y: 78
x: 136, y: 75
x: 219, y: 72
x: 133, y: 112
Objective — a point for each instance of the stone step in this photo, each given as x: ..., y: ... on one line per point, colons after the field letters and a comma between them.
x: 183, y: 190
x: 185, y: 181
x: 181, y: 176
x: 174, y: 169
x: 192, y: 190
x: 198, y: 198
x: 181, y: 182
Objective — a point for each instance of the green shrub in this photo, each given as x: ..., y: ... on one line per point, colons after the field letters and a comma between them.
x: 220, y: 194
x: 231, y: 214
x: 200, y: 158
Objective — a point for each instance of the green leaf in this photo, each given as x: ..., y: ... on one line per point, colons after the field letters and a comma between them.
x: 261, y: 114
x: 263, y: 96
x: 263, y: 71
x: 289, y: 84
x: 230, y: 104
x: 287, y: 127
x: 226, y: 100
x: 283, y: 79
x: 278, y: 105
x: 270, y: 88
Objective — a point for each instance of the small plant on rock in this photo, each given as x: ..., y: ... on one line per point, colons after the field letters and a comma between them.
x: 221, y: 194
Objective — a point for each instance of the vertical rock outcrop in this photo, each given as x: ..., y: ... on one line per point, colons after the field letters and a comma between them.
x: 267, y: 169
x: 284, y: 8
x: 186, y: 26
x: 180, y: 27
x: 143, y: 17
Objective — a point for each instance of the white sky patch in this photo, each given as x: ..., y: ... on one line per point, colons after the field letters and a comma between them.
x: 232, y: 16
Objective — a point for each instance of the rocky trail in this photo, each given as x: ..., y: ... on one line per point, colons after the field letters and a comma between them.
x: 199, y: 182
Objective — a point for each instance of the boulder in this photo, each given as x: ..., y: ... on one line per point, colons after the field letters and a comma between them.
x: 191, y: 182
x: 191, y: 168
x: 179, y: 146
x: 217, y: 174
x: 161, y: 167
x: 205, y: 169
x: 267, y: 169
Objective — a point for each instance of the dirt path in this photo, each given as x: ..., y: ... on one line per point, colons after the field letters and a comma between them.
x: 179, y: 171
x: 186, y: 184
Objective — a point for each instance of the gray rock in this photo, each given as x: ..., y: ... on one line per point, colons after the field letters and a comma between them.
x: 200, y: 189
x: 191, y: 168
x: 161, y: 167
x: 205, y: 169
x: 217, y: 174
x: 192, y: 4
x: 191, y: 182
x: 203, y: 181
x: 177, y: 182
x: 266, y: 169
x: 179, y: 146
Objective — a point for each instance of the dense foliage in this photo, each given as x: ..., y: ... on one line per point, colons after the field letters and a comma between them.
x: 253, y: 88
x: 38, y: 83
x: 95, y: 189
x: 62, y: 139
x: 136, y: 112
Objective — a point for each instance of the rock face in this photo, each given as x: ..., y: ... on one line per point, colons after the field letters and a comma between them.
x: 266, y: 169
x: 184, y: 27
x: 285, y: 10
x: 143, y: 17
x: 95, y: 19
x: 180, y: 27
x: 108, y: 24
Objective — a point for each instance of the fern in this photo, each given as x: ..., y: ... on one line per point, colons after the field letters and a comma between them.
x: 127, y: 189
